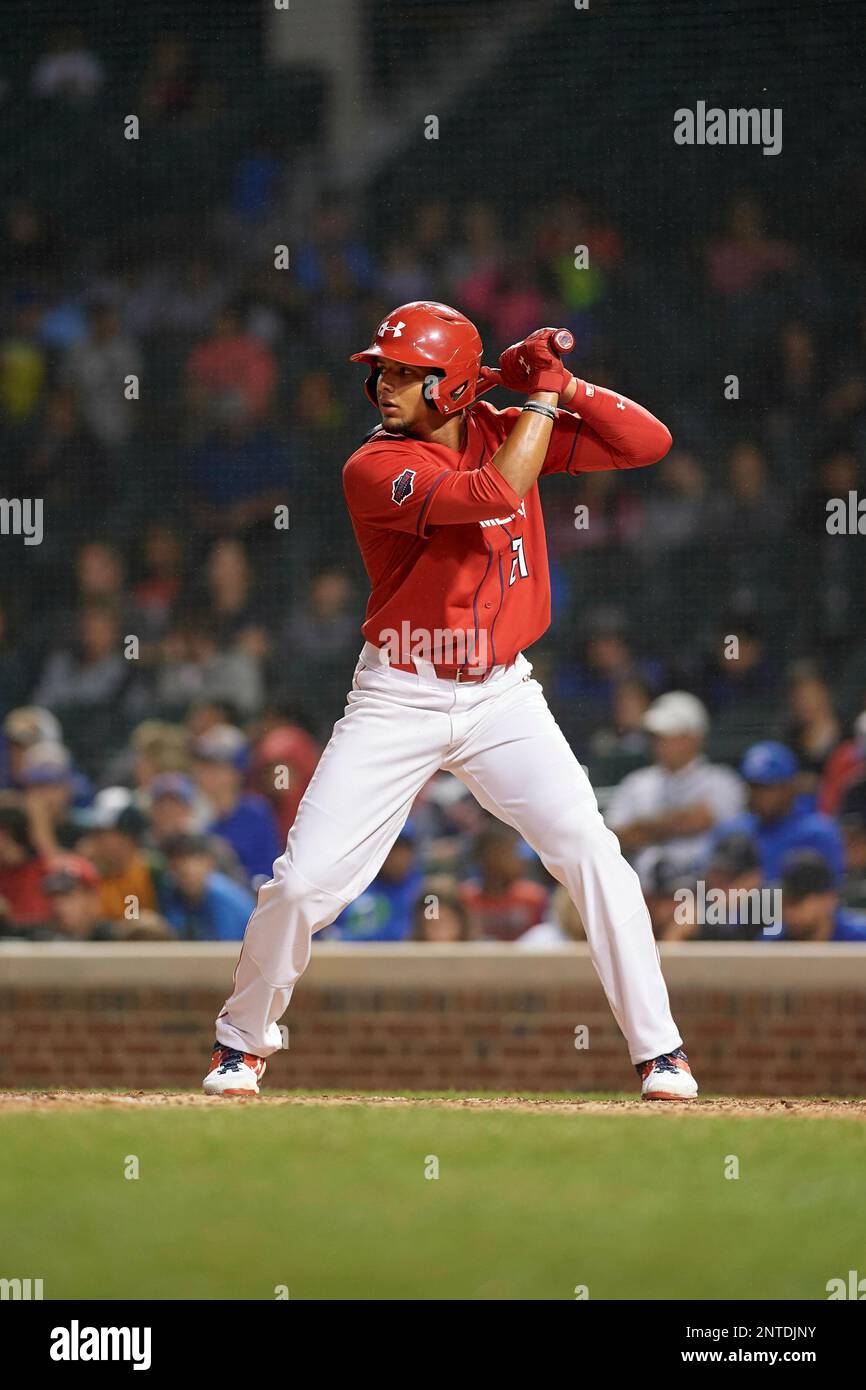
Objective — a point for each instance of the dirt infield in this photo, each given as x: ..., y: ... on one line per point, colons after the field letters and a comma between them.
x: 47, y: 1101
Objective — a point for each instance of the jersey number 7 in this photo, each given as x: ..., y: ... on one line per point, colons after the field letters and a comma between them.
x: 518, y: 564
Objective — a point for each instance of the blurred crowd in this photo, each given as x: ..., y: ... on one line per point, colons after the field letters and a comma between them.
x: 195, y: 813
x: 175, y: 651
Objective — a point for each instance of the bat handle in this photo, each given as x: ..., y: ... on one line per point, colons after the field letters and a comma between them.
x: 562, y: 341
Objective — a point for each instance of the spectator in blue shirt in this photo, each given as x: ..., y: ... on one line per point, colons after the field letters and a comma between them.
x: 810, y: 903
x: 333, y: 237
x: 199, y: 902
x: 245, y: 819
x: 385, y: 911
x: 778, y: 820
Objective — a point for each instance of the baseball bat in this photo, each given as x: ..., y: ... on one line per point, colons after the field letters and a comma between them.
x: 561, y: 341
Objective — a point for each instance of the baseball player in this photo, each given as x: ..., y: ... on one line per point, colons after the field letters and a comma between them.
x: 444, y: 501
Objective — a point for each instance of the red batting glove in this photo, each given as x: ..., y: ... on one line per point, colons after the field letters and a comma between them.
x: 534, y: 365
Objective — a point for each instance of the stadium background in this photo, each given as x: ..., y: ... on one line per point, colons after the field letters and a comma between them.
x: 155, y: 256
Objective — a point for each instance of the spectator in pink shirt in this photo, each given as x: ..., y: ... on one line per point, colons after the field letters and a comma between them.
x: 740, y: 261
x: 231, y: 372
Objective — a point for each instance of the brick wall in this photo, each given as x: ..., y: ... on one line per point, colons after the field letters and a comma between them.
x: 759, y: 1020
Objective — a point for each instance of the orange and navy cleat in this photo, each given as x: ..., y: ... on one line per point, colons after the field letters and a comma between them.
x: 233, y: 1073
x: 668, y: 1077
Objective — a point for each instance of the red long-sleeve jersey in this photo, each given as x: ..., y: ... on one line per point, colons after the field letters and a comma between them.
x: 447, y: 543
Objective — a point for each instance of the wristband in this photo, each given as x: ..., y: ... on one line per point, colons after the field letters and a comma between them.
x: 541, y: 409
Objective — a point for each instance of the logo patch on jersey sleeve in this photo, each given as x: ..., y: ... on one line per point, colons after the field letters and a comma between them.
x: 403, y: 486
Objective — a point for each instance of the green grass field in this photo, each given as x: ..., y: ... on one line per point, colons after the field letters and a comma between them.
x: 332, y: 1202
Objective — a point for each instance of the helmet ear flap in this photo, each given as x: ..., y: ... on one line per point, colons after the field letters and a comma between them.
x: 370, y: 384
x: 431, y: 383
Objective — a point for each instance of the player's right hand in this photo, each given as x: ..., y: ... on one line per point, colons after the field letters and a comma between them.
x: 535, y: 363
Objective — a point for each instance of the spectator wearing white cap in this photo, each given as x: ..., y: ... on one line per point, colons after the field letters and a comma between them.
x: 28, y: 724
x: 22, y: 728
x: 677, y: 801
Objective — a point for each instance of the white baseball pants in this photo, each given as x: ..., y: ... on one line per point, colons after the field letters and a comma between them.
x: 499, y: 737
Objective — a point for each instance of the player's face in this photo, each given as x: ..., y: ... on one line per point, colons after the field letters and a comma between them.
x: 400, y: 393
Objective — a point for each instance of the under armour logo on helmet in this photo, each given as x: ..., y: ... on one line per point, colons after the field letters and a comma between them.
x: 395, y: 328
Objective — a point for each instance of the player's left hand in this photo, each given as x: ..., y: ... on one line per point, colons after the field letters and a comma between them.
x: 535, y: 363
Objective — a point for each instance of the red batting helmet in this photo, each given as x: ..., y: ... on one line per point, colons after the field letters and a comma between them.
x: 427, y: 334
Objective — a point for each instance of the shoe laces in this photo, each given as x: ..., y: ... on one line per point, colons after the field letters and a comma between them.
x: 666, y: 1062
x: 231, y: 1059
